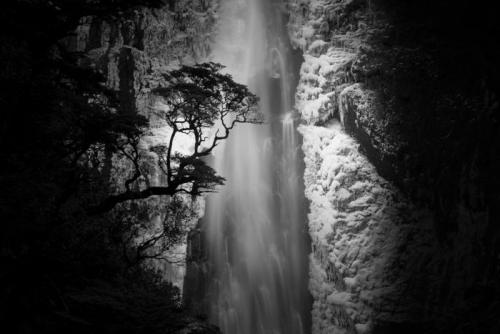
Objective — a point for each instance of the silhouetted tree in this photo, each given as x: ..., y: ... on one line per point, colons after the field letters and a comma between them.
x: 199, y: 102
x: 63, y: 271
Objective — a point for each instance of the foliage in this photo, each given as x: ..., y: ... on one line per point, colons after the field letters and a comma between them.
x: 143, y: 238
x: 198, y: 99
x: 63, y: 271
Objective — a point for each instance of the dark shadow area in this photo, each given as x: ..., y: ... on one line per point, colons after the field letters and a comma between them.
x: 437, y: 75
x: 64, y: 270
x: 434, y: 66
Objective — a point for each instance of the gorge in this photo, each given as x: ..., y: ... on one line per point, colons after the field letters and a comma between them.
x: 364, y: 203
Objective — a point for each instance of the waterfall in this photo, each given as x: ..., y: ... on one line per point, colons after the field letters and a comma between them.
x: 255, y: 245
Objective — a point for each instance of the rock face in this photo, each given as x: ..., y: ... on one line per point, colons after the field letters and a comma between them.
x: 132, y: 53
x: 336, y: 40
x: 361, y: 229
x: 402, y: 226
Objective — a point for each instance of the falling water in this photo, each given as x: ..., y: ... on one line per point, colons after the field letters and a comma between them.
x: 256, y: 250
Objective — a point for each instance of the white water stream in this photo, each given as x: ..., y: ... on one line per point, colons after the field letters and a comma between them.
x: 256, y: 249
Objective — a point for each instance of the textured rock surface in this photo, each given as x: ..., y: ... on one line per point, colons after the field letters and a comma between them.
x: 335, y: 38
x: 360, y: 226
x: 131, y: 53
x: 380, y: 264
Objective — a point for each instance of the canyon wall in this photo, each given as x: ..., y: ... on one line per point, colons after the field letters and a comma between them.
x: 132, y: 54
x: 397, y: 157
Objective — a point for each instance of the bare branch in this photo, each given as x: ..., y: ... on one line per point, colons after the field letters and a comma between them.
x: 198, y: 97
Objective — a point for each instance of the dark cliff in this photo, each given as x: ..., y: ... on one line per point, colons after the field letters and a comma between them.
x: 415, y: 84
x: 70, y: 94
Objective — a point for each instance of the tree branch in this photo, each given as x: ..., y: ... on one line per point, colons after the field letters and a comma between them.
x: 198, y: 97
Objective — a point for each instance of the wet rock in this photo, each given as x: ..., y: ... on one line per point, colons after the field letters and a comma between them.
x: 361, y: 116
x: 414, y: 112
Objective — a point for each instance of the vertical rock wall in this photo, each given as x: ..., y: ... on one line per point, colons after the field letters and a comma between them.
x: 363, y: 231
x: 132, y: 53
x: 394, y: 250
